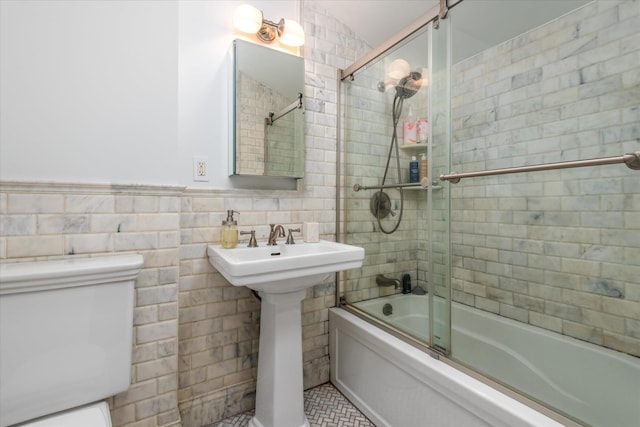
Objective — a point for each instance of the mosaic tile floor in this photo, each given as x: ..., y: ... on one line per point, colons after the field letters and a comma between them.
x: 324, y: 406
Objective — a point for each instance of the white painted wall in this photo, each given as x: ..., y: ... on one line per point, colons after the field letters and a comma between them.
x: 206, y: 36
x: 117, y: 92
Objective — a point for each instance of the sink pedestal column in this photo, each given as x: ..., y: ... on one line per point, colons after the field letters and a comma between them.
x: 280, y: 394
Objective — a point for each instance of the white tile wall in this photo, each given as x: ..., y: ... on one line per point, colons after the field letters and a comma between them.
x: 554, y: 249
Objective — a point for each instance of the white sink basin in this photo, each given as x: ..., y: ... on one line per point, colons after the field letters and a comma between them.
x: 281, y: 274
x: 284, y: 268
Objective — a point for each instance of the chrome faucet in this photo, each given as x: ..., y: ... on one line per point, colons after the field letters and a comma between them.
x: 276, y: 231
x: 381, y: 280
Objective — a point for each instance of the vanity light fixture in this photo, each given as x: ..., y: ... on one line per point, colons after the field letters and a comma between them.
x: 249, y: 19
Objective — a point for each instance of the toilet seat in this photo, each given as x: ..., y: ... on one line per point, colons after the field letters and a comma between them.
x: 93, y: 415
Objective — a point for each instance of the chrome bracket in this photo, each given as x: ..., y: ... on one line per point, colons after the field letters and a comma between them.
x: 632, y: 160
x: 444, y: 10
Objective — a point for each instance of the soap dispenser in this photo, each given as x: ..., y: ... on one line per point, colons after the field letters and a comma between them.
x: 229, y: 232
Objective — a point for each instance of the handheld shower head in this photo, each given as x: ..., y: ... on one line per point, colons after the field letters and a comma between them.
x: 409, y: 85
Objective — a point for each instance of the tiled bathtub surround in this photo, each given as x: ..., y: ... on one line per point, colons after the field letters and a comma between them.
x: 195, y: 335
x: 367, y: 139
x: 557, y: 249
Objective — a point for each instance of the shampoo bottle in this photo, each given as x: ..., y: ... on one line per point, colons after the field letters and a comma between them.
x: 229, y: 232
x: 423, y: 166
x: 406, y: 283
x: 414, y: 174
x: 410, y: 133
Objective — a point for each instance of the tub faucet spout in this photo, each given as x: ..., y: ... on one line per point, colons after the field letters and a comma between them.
x: 381, y: 280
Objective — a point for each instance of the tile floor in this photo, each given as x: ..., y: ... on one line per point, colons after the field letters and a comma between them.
x: 324, y: 406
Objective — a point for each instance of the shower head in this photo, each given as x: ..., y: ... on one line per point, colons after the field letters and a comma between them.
x: 409, y: 85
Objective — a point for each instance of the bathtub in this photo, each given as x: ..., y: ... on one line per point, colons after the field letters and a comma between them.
x: 396, y: 384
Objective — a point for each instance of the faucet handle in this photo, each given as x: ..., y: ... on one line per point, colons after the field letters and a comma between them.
x: 252, y: 240
x: 290, y: 236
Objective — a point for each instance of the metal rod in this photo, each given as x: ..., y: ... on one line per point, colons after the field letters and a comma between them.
x: 406, y: 32
x: 632, y: 160
x: 392, y: 42
x: 424, y: 184
x: 340, y: 237
x: 286, y: 110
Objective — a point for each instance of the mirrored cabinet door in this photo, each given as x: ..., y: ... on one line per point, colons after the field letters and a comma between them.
x: 267, y: 137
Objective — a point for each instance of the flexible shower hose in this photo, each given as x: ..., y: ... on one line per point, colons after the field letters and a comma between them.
x: 397, y: 111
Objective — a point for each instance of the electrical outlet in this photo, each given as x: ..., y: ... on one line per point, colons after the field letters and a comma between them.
x: 200, y: 168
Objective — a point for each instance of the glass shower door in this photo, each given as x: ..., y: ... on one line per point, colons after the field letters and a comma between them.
x: 438, y: 195
x: 383, y: 211
x: 546, y: 263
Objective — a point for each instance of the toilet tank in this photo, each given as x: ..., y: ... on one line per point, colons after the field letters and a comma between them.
x: 65, y: 333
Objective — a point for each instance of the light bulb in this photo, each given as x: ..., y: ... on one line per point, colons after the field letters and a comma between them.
x: 398, y: 69
x: 424, y: 81
x: 247, y: 19
x: 292, y: 34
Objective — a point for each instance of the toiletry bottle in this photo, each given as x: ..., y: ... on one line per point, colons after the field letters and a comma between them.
x: 229, y: 231
x: 423, y: 130
x: 423, y: 166
x: 410, y: 132
x: 406, y: 283
x: 414, y: 173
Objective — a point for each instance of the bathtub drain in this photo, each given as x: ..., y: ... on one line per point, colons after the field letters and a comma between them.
x: 387, y: 309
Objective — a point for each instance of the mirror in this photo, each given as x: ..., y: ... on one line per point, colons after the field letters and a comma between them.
x: 267, y: 137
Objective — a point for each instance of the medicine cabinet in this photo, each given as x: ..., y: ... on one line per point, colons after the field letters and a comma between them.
x: 267, y: 129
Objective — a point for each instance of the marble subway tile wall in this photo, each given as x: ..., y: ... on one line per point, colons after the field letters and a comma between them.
x: 368, y: 133
x: 335, y: 46
x: 219, y: 323
x: 250, y: 128
x: 256, y: 104
x: 196, y: 336
x: 46, y: 221
x: 557, y: 249
x: 282, y: 159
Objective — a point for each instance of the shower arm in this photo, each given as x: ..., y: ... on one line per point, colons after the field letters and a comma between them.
x: 632, y: 160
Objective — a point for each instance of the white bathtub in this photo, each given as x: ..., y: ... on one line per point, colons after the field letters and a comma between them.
x: 396, y: 384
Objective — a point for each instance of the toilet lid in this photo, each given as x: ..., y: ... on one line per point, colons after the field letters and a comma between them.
x: 94, y: 415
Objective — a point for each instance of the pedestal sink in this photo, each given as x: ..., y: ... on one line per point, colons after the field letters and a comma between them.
x: 281, y: 274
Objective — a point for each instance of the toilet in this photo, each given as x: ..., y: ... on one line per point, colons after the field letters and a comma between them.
x: 66, y: 330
